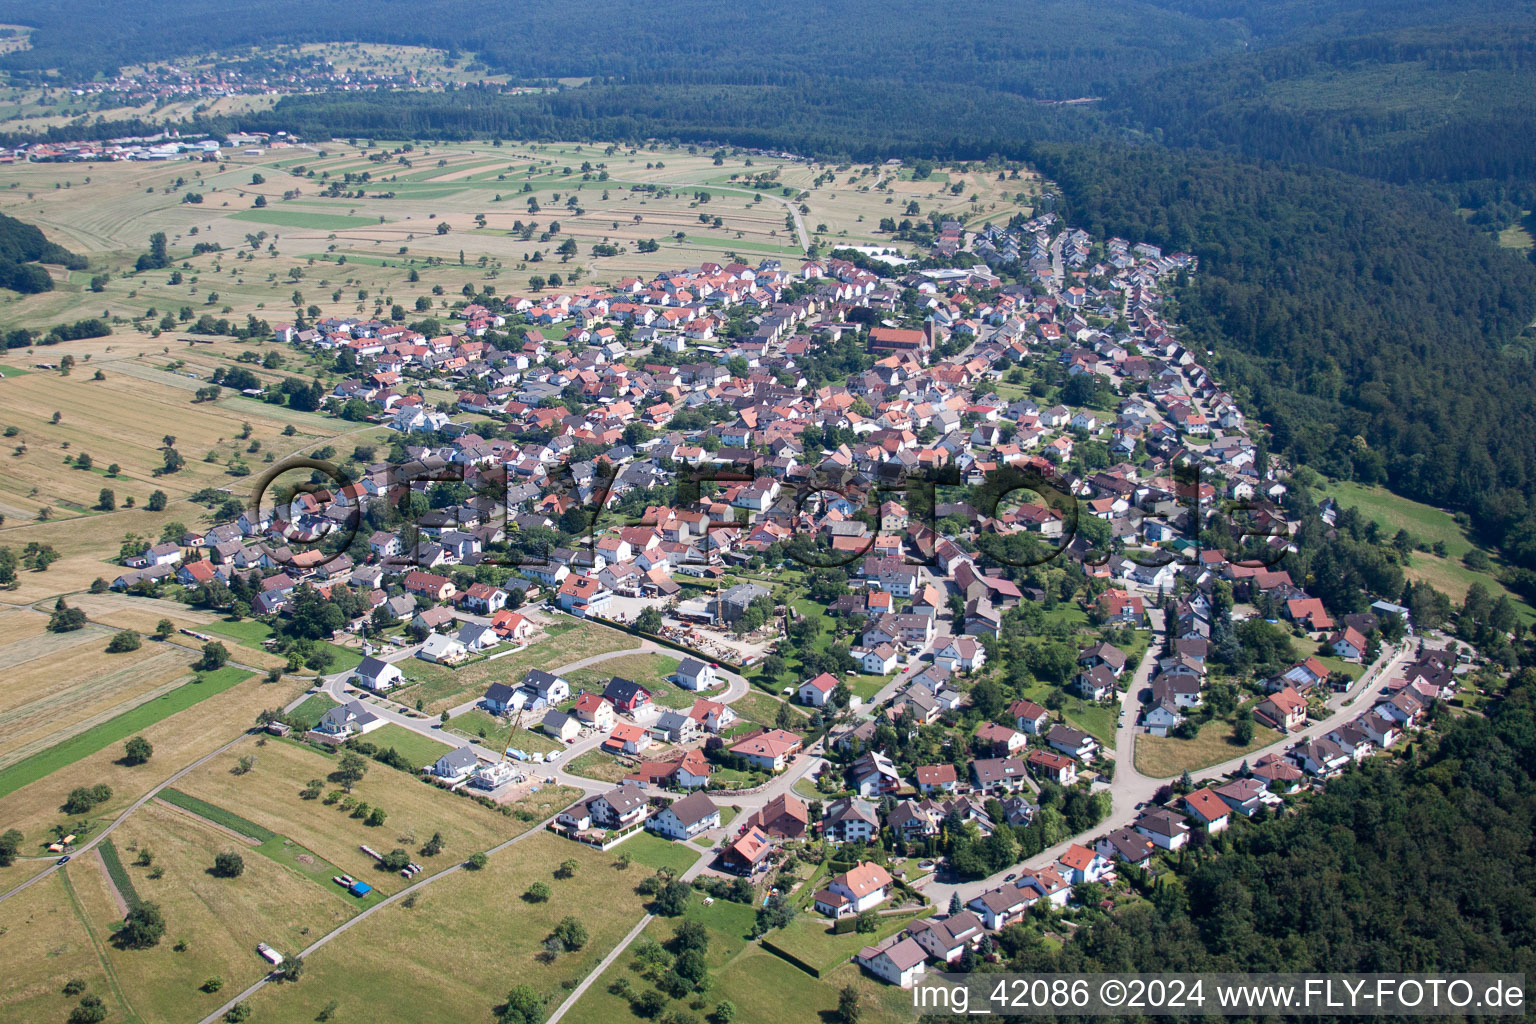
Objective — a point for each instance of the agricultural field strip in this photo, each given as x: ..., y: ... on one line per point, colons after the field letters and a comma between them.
x: 126, y: 813
x: 341, y: 929
x: 45, y: 645
x: 119, y: 727
x: 18, y: 719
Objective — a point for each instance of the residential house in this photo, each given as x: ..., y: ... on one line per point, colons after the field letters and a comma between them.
x: 901, y: 963
x: 350, y: 719
x: 961, y: 654
x: 1284, y: 710
x: 1059, y: 769
x: 686, y: 817
x: 817, y: 692
x: 374, y: 674
x: 457, y: 764
x: 1029, y: 716
x: 784, y: 817
x: 1072, y: 742
x: 1166, y: 829
x: 693, y: 674
x: 849, y: 894
x: 595, y: 710
x: 946, y: 940
x: 849, y: 820
x: 1006, y: 773
x: 1206, y: 807
x: 770, y: 750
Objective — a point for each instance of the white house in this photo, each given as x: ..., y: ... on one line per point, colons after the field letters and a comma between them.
x: 347, y: 719
x: 686, y: 817
x: 901, y: 963
x: 456, y: 764
x: 947, y: 940
x: 374, y: 674
x: 855, y: 891
x: 877, y: 661
x: 817, y: 692
x: 440, y: 648
x: 961, y: 654
x: 693, y: 674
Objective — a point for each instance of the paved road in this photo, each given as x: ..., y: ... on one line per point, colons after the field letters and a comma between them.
x: 1131, y: 788
x: 597, y: 972
x: 334, y: 686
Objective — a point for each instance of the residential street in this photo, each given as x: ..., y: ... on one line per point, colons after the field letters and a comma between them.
x: 1130, y: 788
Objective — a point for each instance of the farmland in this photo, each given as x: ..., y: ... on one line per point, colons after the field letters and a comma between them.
x: 219, y: 919
x: 46, y: 917
x: 391, y: 964
x: 269, y: 796
x: 178, y: 740
x: 37, y: 764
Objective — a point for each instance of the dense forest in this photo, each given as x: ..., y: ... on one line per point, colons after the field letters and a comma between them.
x: 1425, y: 868
x: 22, y: 248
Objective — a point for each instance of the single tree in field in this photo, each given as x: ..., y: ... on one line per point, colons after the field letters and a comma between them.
x: 351, y: 770
x: 137, y: 750
x: 127, y: 640
x: 228, y: 865
x: 143, y: 928
x: 523, y: 1006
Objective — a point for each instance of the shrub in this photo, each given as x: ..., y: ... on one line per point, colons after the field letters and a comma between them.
x: 228, y: 865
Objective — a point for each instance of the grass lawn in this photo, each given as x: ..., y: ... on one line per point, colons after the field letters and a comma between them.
x: 595, y: 764
x: 313, y: 709
x: 1349, y: 668
x: 655, y: 852
x: 762, y: 709
x: 269, y: 796
x: 1165, y: 757
x: 496, y: 733
x: 439, y: 687
x: 391, y: 965
x: 1096, y: 720
x: 1427, y: 524
x: 865, y: 687
x: 809, y: 937
x: 119, y: 728
x: 250, y: 633
x: 648, y: 669
x: 419, y: 750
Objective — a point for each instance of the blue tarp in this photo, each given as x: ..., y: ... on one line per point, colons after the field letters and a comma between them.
x: 360, y: 889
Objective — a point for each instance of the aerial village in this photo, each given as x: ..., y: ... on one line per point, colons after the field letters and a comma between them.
x: 928, y: 547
